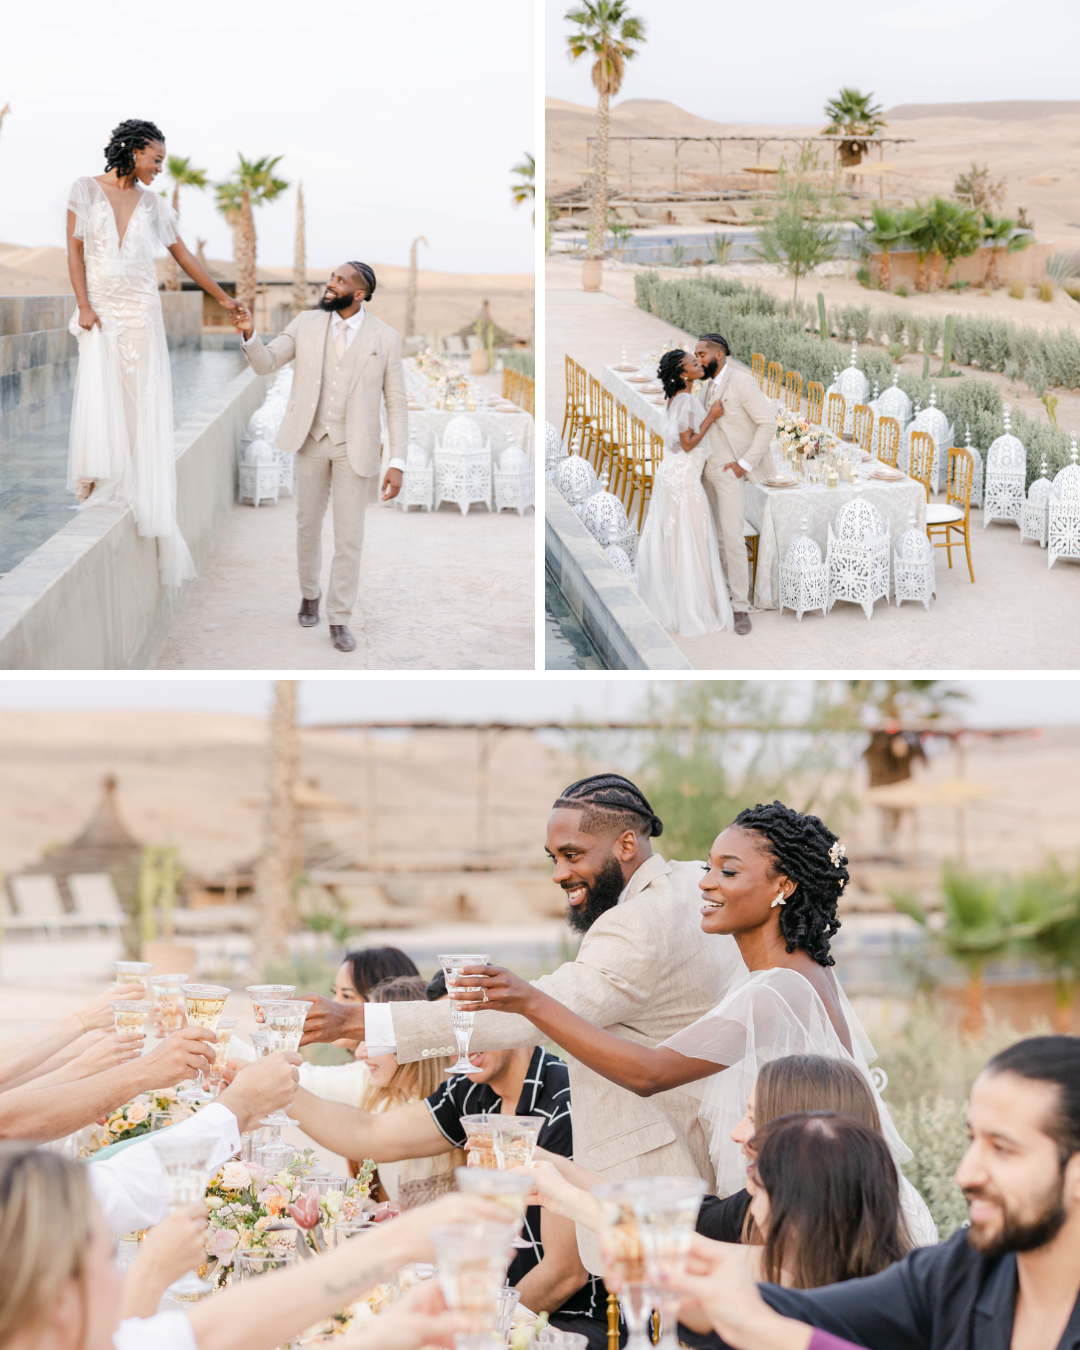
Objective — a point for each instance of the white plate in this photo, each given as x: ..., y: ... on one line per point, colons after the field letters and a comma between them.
x: 624, y: 367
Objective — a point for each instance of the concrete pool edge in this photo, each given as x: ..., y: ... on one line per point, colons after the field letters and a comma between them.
x: 90, y: 598
x: 620, y: 627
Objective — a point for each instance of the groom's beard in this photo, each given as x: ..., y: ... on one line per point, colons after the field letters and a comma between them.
x: 603, y: 895
x: 711, y: 369
x: 336, y: 302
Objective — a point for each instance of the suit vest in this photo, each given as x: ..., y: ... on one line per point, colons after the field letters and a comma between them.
x: 334, y: 388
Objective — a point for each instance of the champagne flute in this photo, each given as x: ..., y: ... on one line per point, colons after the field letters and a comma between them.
x: 667, y: 1210
x: 186, y: 1164
x: 224, y: 1030
x: 130, y: 1015
x: 284, y: 1019
x: 514, y: 1139
x: 623, y: 1258
x: 133, y: 972
x: 169, y: 1005
x: 509, y: 1189
x: 259, y: 993
x: 463, y: 1022
x: 471, y: 1261
x: 479, y: 1140
x: 204, y: 1006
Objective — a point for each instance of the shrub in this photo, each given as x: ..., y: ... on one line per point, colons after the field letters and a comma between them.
x: 893, y: 321
x: 1018, y: 290
x: 524, y: 362
x: 1046, y: 291
x: 933, y: 328
x: 902, y: 291
x: 916, y: 327
x: 862, y: 276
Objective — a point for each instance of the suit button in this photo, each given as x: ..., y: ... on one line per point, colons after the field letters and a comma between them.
x: 424, y: 1054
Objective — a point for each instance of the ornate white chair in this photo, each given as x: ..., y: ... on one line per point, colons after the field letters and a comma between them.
x: 913, y: 566
x: 620, y: 560
x: 258, y: 473
x: 857, y: 556
x: 418, y: 480
x: 894, y: 403
x: 1035, y: 514
x: 554, y: 450
x: 1063, y: 523
x: 604, y: 516
x: 934, y: 422
x: 854, y: 386
x: 576, y: 479
x: 462, y: 466
x: 1006, y: 473
x: 804, y: 578
x: 514, y: 487
x: 977, y: 474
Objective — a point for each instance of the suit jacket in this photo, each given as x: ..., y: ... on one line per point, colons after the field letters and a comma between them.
x: 747, y: 426
x: 644, y: 971
x: 377, y: 374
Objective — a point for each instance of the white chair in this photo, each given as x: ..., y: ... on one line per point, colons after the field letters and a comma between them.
x: 1006, y: 473
x: 857, y: 556
x: 620, y: 560
x: 1063, y: 523
x: 259, y: 474
x: 804, y: 578
x: 934, y: 422
x: 554, y: 450
x: 576, y: 480
x: 913, y: 566
x: 95, y: 899
x: 604, y: 516
x: 854, y: 386
x: 38, y: 904
x: 1035, y: 514
x: 894, y: 403
x: 514, y: 481
x: 418, y: 480
x: 462, y: 466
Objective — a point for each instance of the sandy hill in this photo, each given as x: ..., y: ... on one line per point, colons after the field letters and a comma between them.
x: 1033, y: 146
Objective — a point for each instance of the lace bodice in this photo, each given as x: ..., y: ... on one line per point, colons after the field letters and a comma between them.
x: 681, y: 469
x: 120, y: 269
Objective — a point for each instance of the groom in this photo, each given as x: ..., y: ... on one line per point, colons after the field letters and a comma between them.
x: 347, y: 362
x: 738, y: 449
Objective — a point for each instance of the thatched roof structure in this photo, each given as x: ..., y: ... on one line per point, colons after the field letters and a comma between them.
x: 105, y: 845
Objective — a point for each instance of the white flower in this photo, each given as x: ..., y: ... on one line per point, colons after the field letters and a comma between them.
x: 332, y: 1202
x: 235, y: 1177
x: 214, y: 1201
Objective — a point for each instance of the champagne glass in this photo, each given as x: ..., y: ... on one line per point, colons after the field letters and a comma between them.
x: 133, y: 972
x: 623, y: 1258
x: 667, y: 1210
x: 463, y: 1022
x: 186, y: 1164
x: 259, y: 993
x: 284, y: 1020
x: 509, y: 1189
x: 130, y: 1015
x: 261, y: 1260
x: 507, y: 1303
x: 479, y: 1140
x: 471, y: 1261
x: 514, y: 1139
x: 221, y: 1050
x: 204, y: 1005
x: 169, y: 1005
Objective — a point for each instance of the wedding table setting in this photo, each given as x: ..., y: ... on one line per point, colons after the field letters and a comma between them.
x: 636, y: 386
x: 437, y: 391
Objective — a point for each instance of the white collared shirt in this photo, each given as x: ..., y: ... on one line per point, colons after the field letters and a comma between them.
x: 715, y: 391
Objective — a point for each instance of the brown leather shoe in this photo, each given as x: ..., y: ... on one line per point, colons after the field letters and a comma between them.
x: 342, y: 639
x: 309, y: 612
x: 742, y: 623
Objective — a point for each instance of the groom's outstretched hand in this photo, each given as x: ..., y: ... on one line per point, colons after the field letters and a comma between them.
x: 330, y: 1021
x: 241, y: 318
x: 391, y: 484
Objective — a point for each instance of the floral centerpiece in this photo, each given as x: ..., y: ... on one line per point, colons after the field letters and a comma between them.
x: 133, y: 1119
x: 800, y: 437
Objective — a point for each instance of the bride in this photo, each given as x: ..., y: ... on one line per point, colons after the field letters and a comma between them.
x: 772, y: 881
x: 121, y: 448
x: 679, y: 572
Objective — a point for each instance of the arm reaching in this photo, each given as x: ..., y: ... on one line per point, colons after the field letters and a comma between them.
x: 726, y: 1300
x: 405, y: 1132
x: 201, y: 277
x: 172, y: 1247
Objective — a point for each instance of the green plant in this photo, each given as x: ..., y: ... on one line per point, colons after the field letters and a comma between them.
x: 978, y: 189
x: 525, y: 362
x: 823, y: 327
x: 183, y: 174
x: 524, y: 188
x: 1046, y: 291
x: 720, y: 247
x: 956, y: 229
x: 1018, y: 290
x: 853, y: 116
x: 883, y: 232
x: 893, y: 321
x: 798, y: 237
x: 253, y: 184
x: 919, y: 232
x: 621, y: 234
x: 946, y: 351
x: 935, y: 1129
x: 1000, y: 232
x: 896, y: 350
x: 933, y: 327
x: 1061, y: 266
x: 676, y: 255
x: 1049, y: 402
x: 1046, y: 911
x: 902, y: 291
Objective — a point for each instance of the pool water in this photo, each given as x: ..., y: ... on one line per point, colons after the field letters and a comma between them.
x: 34, y: 501
x: 566, y: 644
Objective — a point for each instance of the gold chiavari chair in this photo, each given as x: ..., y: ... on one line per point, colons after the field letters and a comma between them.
x: 863, y: 426
x: 954, y: 515
x: 888, y: 440
x: 815, y: 398
x: 507, y: 373
x: 793, y: 391
x: 642, y: 468
x: 750, y: 535
x: 921, y: 460
x: 606, y: 459
x: 590, y: 441
x: 621, y: 452
x: 775, y: 380
x: 612, y: 1322
x: 528, y: 391
x: 570, y: 415
x: 757, y: 367
x: 836, y: 413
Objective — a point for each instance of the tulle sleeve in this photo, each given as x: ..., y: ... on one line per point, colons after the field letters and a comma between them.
x: 79, y: 206
x: 166, y: 223
x: 683, y: 413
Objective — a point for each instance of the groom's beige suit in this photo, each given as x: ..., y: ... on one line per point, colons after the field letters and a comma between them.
x: 332, y: 425
x: 644, y: 971
x: 740, y: 436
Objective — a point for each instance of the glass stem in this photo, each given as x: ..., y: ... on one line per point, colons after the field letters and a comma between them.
x: 463, y: 1035
x: 668, y: 1308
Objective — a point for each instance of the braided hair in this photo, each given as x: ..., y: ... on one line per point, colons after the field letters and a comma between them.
x: 803, y: 849
x: 670, y: 372
x: 129, y: 136
x: 363, y: 270
x: 609, y: 801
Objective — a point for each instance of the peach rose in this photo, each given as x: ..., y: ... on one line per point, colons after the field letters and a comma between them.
x: 235, y: 1177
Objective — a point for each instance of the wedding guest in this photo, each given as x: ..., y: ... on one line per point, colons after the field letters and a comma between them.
x: 31, y: 1055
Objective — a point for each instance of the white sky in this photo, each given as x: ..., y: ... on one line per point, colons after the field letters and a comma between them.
x: 401, y: 119
x: 993, y: 702
x: 781, y: 62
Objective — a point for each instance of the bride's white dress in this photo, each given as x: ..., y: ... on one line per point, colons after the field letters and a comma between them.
x: 765, y: 1016
x: 121, y: 417
x: 678, y: 559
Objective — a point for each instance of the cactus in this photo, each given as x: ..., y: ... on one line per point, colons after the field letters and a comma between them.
x: 926, y: 365
x: 946, y: 350
x: 147, y: 892
x: 823, y: 330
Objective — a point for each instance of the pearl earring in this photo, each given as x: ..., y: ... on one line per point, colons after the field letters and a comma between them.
x: 781, y: 899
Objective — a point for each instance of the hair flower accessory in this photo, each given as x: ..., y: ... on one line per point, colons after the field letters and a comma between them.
x: 837, y: 853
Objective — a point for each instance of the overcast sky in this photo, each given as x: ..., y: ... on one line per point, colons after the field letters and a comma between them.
x: 781, y: 62
x: 401, y: 119
x: 993, y: 702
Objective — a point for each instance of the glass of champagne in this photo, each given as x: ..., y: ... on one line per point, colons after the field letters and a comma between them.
x: 224, y: 1031
x: 479, y: 1140
x: 471, y: 1261
x: 453, y: 965
x: 204, y: 1006
x: 623, y: 1258
x: 130, y: 1015
x: 262, y: 1260
x: 186, y: 1163
x: 133, y: 972
x: 259, y: 993
x: 509, y: 1189
x: 514, y: 1139
x: 667, y: 1210
x: 284, y: 1019
x: 168, y: 993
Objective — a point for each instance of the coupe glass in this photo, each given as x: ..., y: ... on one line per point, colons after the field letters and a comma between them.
x: 130, y: 1015
x: 204, y: 1006
x: 509, y: 1189
x: 275, y: 1155
x: 471, y: 1260
x: 186, y: 1164
x: 463, y: 1022
x: 168, y: 991
x: 133, y: 972
x: 623, y: 1257
x: 259, y: 993
x: 284, y: 1019
x: 479, y: 1139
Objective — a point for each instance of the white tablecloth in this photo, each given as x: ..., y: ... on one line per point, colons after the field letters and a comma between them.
x: 631, y: 397
x: 776, y: 514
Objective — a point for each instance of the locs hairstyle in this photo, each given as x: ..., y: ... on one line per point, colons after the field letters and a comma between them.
x: 800, y: 846
x: 608, y: 801
x: 670, y: 371
x: 129, y: 136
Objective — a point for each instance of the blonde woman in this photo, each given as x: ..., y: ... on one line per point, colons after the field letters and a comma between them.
x: 413, y: 1181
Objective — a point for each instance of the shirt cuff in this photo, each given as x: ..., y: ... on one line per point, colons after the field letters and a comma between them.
x: 394, y: 464
x: 379, y: 1029
x: 163, y: 1331
x: 747, y: 468
x: 247, y: 342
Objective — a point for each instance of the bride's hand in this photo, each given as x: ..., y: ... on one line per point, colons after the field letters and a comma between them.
x: 505, y: 991
x: 87, y: 318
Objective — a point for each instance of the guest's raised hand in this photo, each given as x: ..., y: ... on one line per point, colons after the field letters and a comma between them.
x: 106, y: 1051
x: 330, y: 1021
x: 562, y: 1197
x: 269, y: 1084
x: 480, y: 987
x: 419, y: 1318
x: 179, y: 1057
x: 98, y: 1014
x: 170, y: 1249
x: 730, y: 1300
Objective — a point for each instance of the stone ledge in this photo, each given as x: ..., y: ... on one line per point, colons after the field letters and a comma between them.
x: 620, y: 626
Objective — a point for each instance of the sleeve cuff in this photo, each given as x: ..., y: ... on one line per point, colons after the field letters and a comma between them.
x: 746, y: 468
x: 379, y: 1026
x: 395, y: 463
x: 251, y: 339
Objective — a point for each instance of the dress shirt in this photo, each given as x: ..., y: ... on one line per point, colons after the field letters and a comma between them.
x: 163, y: 1331
x: 130, y: 1187
x: 352, y: 327
x: 332, y: 1082
x: 715, y: 384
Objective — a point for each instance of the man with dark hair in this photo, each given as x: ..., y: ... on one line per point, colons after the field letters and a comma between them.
x: 739, y: 449
x: 347, y: 362
x: 1011, y: 1279
x: 644, y: 970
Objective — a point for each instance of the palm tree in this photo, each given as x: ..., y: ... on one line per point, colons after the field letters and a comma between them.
x: 299, y: 276
x: 524, y: 189
x: 1000, y: 232
x: 609, y: 34
x: 279, y: 865
x: 1046, y: 914
x: 917, y: 227
x: 882, y: 233
x: 227, y: 199
x: 183, y: 175
x: 957, y: 233
x: 254, y: 184
x: 852, y: 115
x: 410, y: 294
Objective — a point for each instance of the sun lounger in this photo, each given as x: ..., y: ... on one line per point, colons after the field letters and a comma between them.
x: 96, y: 901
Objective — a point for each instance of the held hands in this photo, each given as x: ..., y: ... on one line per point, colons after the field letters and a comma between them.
x: 106, y: 1051
x: 555, y: 1193
x: 391, y: 484
x: 97, y: 1014
x: 412, y: 1230
x: 499, y: 989
x: 269, y: 1084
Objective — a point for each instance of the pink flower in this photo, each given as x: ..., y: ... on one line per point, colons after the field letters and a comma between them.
x: 385, y: 1211
x: 258, y: 1172
x: 224, y: 1245
x: 306, y: 1210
